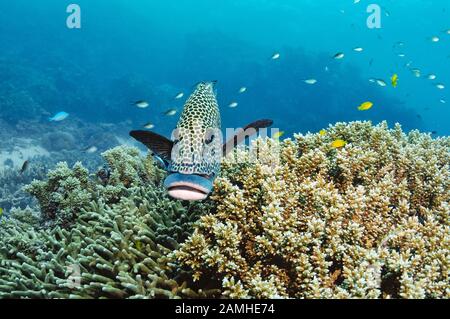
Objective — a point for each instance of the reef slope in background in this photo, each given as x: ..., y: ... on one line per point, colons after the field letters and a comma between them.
x: 299, y: 220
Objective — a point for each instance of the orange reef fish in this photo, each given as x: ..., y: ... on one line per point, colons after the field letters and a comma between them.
x: 193, y: 155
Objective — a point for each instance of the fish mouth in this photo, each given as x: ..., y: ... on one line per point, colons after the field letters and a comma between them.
x: 189, y: 187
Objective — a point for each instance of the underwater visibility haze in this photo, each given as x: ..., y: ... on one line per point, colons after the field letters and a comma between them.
x: 224, y: 149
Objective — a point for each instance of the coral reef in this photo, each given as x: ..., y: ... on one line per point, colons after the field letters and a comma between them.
x: 11, y: 184
x: 114, y: 245
x: 301, y: 219
x: 58, y: 141
x: 12, y: 181
x: 290, y: 219
x: 63, y: 195
x: 43, y: 146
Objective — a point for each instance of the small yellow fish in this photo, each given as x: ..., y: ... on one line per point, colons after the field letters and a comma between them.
x: 278, y: 135
x: 394, y: 80
x: 322, y: 132
x: 338, y: 143
x: 139, y: 245
x: 1, y: 212
x: 365, y: 106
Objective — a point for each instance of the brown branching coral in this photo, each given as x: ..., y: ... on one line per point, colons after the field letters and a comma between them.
x: 304, y: 220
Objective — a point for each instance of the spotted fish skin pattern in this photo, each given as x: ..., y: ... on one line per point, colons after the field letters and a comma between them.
x: 197, y: 137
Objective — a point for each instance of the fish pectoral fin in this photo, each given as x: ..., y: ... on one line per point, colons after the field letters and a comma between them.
x: 155, y: 142
x: 248, y: 131
x: 259, y: 124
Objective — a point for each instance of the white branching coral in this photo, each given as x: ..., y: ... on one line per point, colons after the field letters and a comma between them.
x: 304, y: 220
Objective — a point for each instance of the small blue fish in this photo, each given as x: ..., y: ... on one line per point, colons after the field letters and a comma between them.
x: 61, y: 116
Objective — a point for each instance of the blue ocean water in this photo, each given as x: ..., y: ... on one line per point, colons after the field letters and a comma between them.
x: 152, y: 50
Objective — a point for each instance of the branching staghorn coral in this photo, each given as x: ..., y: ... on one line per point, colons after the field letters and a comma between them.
x: 64, y: 194
x: 300, y: 219
x: 113, y: 247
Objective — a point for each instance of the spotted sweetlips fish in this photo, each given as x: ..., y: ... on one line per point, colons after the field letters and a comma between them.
x: 193, y: 155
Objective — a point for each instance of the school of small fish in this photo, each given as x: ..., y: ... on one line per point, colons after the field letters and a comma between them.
x: 394, y: 81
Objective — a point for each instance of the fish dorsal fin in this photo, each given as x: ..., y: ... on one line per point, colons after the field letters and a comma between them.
x: 158, y: 144
x: 247, y: 131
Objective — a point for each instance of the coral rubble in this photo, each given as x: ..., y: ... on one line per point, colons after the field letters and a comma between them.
x: 299, y: 219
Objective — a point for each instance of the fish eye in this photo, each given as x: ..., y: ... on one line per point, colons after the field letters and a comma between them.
x: 209, y: 138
